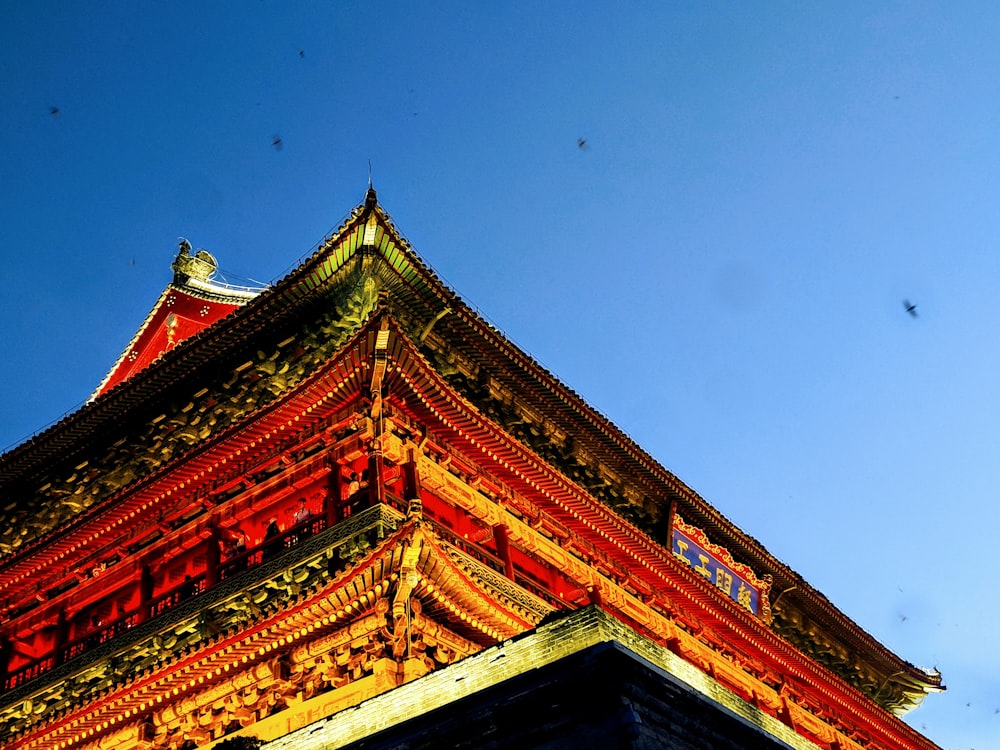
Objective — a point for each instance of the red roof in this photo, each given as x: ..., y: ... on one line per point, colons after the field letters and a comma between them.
x: 189, y: 305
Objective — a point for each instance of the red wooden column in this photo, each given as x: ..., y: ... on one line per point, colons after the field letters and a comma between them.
x: 332, y: 510
x: 411, y: 484
x: 60, y: 637
x: 6, y: 647
x: 376, y: 480
x: 145, y: 592
x: 212, y: 557
x: 503, y: 549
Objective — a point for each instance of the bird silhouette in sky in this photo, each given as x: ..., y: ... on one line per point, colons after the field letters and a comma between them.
x: 276, y: 142
x: 582, y: 143
x: 910, y: 308
x: 302, y: 53
x: 54, y: 111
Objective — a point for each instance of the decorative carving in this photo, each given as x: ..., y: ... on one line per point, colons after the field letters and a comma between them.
x: 384, y: 633
x: 804, y: 634
x: 231, y: 606
x: 517, y: 598
x: 225, y: 402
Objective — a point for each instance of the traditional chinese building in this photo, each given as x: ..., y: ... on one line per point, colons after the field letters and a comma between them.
x: 346, y: 511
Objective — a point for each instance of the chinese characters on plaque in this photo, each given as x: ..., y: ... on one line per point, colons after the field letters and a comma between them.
x: 717, y: 572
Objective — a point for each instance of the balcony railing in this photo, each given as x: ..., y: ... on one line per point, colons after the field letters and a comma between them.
x: 229, y: 566
x: 269, y: 549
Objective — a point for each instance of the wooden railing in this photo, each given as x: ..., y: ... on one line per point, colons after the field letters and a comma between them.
x: 267, y: 550
x: 29, y: 671
x: 189, y: 588
x: 270, y: 548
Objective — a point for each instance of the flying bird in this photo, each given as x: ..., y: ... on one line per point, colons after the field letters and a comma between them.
x: 582, y: 143
x: 302, y: 53
x: 910, y: 307
x: 276, y: 142
x: 54, y: 111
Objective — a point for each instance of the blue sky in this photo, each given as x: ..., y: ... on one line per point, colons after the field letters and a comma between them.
x: 721, y: 270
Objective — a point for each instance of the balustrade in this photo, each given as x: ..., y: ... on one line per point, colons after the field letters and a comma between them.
x: 29, y: 671
x: 229, y: 566
x: 100, y: 633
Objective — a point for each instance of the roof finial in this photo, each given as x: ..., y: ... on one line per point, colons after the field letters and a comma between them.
x: 370, y: 198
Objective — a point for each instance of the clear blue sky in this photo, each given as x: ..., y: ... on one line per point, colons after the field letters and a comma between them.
x: 721, y: 271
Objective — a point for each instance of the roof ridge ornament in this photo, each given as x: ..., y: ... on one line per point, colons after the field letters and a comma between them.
x: 201, y: 266
x: 371, y: 198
